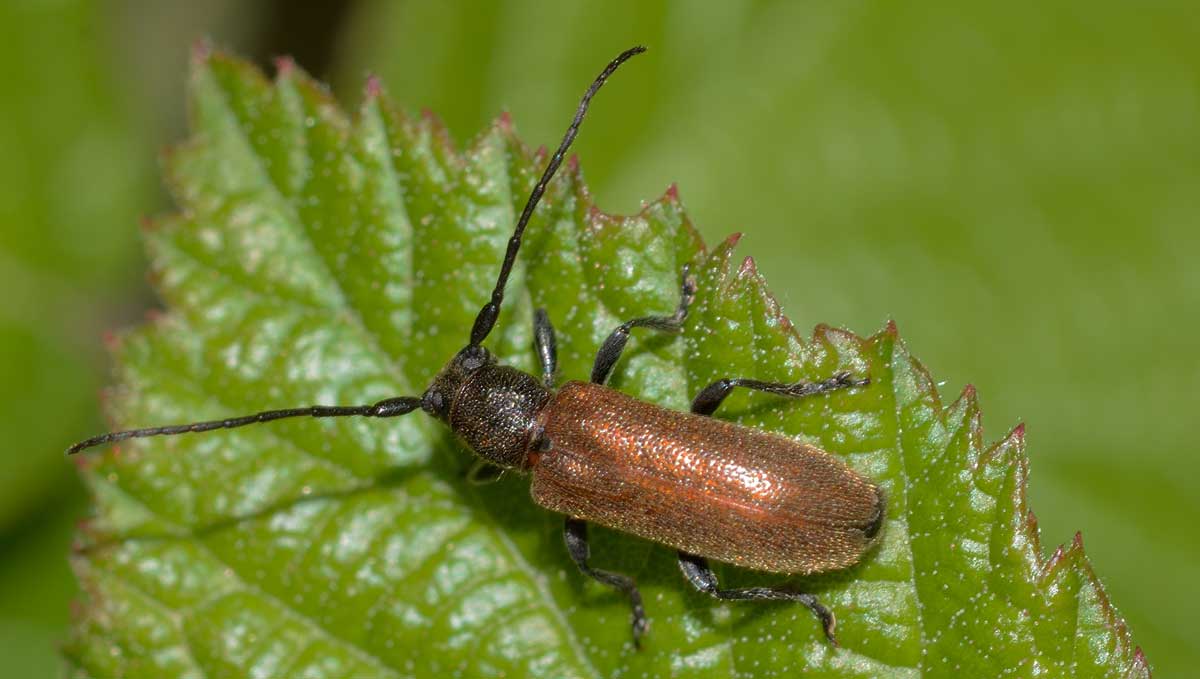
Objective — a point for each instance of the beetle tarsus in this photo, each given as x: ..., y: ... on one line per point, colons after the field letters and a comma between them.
x: 575, y: 534
x: 699, y: 573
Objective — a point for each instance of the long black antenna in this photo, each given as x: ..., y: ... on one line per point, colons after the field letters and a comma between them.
x: 486, y: 319
x: 386, y: 408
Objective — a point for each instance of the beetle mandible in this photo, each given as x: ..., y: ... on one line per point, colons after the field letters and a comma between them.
x: 707, y: 488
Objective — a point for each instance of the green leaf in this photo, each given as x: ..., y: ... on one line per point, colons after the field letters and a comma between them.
x: 315, y: 259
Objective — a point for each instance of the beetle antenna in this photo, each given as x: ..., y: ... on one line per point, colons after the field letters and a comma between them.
x: 490, y: 311
x: 390, y: 407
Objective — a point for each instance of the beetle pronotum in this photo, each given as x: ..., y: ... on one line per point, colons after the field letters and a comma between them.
x: 708, y: 488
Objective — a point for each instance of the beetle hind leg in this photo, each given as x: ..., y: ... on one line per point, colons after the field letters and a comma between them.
x: 575, y: 533
x: 697, y: 571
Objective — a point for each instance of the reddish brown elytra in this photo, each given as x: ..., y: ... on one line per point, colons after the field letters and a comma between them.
x: 705, y: 487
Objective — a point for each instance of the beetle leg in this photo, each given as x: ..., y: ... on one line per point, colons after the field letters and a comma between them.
x: 611, y: 350
x: 575, y: 533
x: 697, y: 571
x: 545, y: 345
x: 710, y: 397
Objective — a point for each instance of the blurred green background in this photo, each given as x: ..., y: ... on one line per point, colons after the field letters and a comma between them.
x: 1015, y: 185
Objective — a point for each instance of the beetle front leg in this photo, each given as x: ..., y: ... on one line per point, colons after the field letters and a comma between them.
x: 697, y: 571
x: 611, y: 350
x: 575, y: 533
x: 710, y: 397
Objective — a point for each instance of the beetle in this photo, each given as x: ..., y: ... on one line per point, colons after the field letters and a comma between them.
x: 710, y: 489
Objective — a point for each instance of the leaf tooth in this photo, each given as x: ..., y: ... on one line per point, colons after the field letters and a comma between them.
x: 285, y: 66
x: 202, y: 50
x: 1032, y: 530
x: 916, y: 387
x: 768, y: 312
x: 1059, y: 583
x: 843, y: 340
x: 964, y: 433
x: 372, y: 89
x: 1059, y: 560
x: 431, y: 124
x: 1140, y: 667
x: 316, y: 98
x: 722, y: 256
x: 504, y: 123
x: 1102, y: 637
x: 1018, y: 530
x: 999, y: 456
x: 891, y: 329
x: 964, y: 411
x: 748, y: 269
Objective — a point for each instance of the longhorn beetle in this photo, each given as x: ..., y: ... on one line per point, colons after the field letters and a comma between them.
x: 705, y: 487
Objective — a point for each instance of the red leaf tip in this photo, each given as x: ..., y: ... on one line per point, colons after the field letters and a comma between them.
x: 505, y: 121
x: 672, y: 193
x: 284, y: 66
x: 1077, y: 542
x: 1018, y: 431
x: 202, y: 49
x: 1055, y: 558
x: 374, y: 87
x: 748, y: 268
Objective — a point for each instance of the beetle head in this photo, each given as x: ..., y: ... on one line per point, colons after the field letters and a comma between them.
x: 445, y: 388
x: 493, y: 408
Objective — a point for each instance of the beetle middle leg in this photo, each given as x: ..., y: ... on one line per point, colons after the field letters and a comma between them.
x: 611, y: 350
x: 575, y: 533
x: 697, y: 571
x: 710, y: 397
